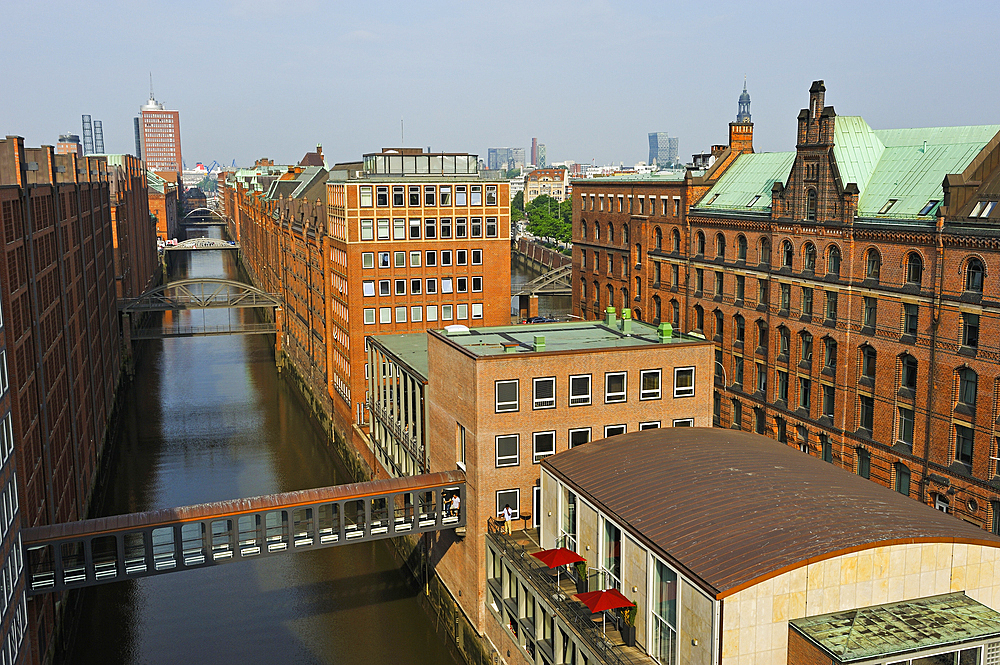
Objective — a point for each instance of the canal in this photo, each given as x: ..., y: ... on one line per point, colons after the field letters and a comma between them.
x: 209, y: 418
x: 556, y: 307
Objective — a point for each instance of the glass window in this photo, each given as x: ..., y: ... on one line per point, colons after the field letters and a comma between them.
x: 828, y: 400
x: 611, y: 564
x: 446, y: 311
x: 368, y: 287
x: 461, y: 257
x: 368, y: 259
x: 909, y: 375
x: 461, y: 227
x: 649, y: 384
x: 683, y: 381
x: 462, y: 285
x: 614, y: 430
x: 868, y: 361
x: 491, y: 195
x: 365, y: 196
x: 416, y: 313
x: 399, y: 229
x: 967, y: 387
x: 477, y: 310
x: 414, y: 259
x: 430, y: 258
x: 400, y: 285
x: 867, y: 412
x: 446, y: 285
x: 369, y: 316
x: 911, y: 318
x: 460, y: 197
x: 579, y: 390
x: 432, y: 285
x: 477, y: 284
x: 905, y: 434
x: 873, y: 265
x: 383, y: 229
x: 833, y: 264
x: 383, y: 287
x: 432, y: 313
x: 782, y: 389
x: 367, y: 229
x: 415, y: 285
x: 544, y: 393
x: 914, y: 268
x: 653, y: 424
x: 414, y: 191
x: 445, y: 195
x: 385, y: 314
x: 491, y: 227
x: 445, y: 228
x: 579, y: 436
x: 401, y: 314
x: 382, y: 196
x: 831, y: 305
x: 397, y: 195
x: 970, y: 330
x: 902, y: 484
x: 461, y: 311
x: 430, y: 195
x: 507, y: 450
x: 614, y: 387
x: 445, y: 257
x: 476, y: 225
x: 974, y: 276
x: 506, y: 396
x: 807, y: 301
x: 477, y: 257
x: 543, y: 445
x: 964, y: 439
x: 414, y: 229
x: 864, y: 463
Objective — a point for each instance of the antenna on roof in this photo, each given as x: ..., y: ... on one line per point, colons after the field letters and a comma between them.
x: 401, y: 141
x: 151, y: 85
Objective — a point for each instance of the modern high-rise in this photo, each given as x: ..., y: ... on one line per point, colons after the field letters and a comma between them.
x: 498, y: 159
x: 69, y: 143
x: 161, y: 137
x: 540, y: 161
x: 662, y: 149
x: 534, y: 152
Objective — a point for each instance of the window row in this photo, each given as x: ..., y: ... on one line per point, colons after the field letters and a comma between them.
x: 429, y: 259
x: 418, y: 313
x: 543, y: 389
x: 543, y: 444
x: 418, y: 286
x: 416, y: 196
x: 429, y: 229
x: 631, y: 204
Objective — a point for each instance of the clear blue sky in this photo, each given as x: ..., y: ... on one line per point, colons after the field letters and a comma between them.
x: 590, y: 79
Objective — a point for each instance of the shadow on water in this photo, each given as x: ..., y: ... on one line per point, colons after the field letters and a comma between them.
x: 208, y: 419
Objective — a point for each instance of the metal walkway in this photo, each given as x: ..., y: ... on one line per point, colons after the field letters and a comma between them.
x: 112, y: 549
x: 199, y: 294
x: 201, y: 243
x: 555, y: 282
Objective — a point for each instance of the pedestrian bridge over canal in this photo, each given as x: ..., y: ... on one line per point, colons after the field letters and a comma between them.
x: 121, y: 547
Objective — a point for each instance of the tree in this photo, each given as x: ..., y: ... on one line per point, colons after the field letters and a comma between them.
x: 517, y: 207
x: 549, y: 218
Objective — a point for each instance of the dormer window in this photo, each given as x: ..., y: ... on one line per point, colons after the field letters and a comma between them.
x: 753, y: 201
x: 926, y: 210
x: 713, y: 199
x: 987, y: 208
x: 887, y: 207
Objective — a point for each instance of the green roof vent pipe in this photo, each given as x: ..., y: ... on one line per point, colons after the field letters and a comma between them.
x: 664, y: 332
x: 609, y: 317
x: 626, y: 321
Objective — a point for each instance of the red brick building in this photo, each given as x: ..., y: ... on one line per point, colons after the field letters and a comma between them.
x: 161, y: 137
x: 60, y: 353
x: 847, y: 285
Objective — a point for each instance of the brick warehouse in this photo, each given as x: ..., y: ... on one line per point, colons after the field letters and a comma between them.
x: 75, y: 229
x: 408, y: 240
x: 847, y: 286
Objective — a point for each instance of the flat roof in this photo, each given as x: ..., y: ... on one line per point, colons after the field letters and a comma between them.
x: 895, y: 629
x: 733, y: 508
x: 409, y: 349
x: 561, y: 336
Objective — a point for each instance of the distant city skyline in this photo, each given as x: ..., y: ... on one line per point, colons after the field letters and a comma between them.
x: 874, y: 67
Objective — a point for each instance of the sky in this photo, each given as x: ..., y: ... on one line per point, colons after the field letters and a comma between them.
x: 589, y: 78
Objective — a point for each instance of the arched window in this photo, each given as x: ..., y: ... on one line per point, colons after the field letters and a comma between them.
x: 829, y: 353
x: 741, y: 248
x: 974, y: 276
x: 765, y: 251
x: 761, y: 334
x: 699, y: 318
x: 597, y: 230
x: 784, y: 340
x: 914, y: 268
x: 583, y: 229
x: 719, y: 321
x: 809, y: 257
x: 811, y: 205
x: 720, y: 246
x: 873, y: 266
x: 658, y: 238
x: 786, y: 254
x: 638, y: 253
x: 597, y: 296
x: 967, y: 387
x: 583, y: 291
x: 701, y: 243
x: 611, y: 233
x: 677, y: 240
x: 806, y: 340
x: 675, y: 313
x: 908, y: 376
x: 611, y: 296
x: 833, y: 262
x: 868, y: 360
x: 739, y: 329
x: 624, y: 297
x: 656, y: 309
x: 637, y: 315
x: 902, y: 480
x: 625, y: 235
x: 638, y: 287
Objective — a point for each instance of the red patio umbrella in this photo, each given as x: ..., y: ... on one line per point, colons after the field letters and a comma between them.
x: 600, y: 601
x: 557, y: 557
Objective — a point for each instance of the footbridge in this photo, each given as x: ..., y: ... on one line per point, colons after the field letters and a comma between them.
x: 200, y: 294
x: 202, y: 219
x: 202, y: 243
x: 122, y: 547
x: 556, y: 282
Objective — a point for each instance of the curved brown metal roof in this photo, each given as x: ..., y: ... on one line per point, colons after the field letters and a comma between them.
x: 732, y: 508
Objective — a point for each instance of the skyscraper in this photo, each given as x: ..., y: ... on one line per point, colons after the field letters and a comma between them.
x: 161, y: 137
x: 662, y: 149
x: 534, y: 152
x: 540, y: 161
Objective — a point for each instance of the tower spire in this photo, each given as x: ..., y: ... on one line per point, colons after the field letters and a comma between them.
x: 743, y: 115
x: 151, y: 86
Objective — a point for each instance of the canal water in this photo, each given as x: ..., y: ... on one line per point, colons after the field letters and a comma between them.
x: 206, y: 419
x: 555, y: 307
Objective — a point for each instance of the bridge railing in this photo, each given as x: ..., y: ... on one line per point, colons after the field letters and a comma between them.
x: 109, y: 549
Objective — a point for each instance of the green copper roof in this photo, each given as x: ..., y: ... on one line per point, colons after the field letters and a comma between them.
x: 895, y: 629
x: 672, y: 175
x: 856, y: 149
x: 746, y: 184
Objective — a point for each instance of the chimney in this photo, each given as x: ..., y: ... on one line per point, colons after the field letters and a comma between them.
x: 626, y: 321
x: 817, y: 97
x: 664, y: 332
x: 609, y: 317
x: 510, y: 347
x: 539, y: 342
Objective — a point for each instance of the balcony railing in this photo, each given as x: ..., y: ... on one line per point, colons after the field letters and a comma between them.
x: 405, y: 439
x: 571, y: 611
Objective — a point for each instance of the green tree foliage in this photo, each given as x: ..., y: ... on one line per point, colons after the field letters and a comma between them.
x: 549, y: 218
x: 517, y: 207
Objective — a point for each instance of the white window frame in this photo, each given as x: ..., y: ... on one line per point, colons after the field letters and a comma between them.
x: 623, y: 427
x: 383, y: 229
x: 399, y: 259
x: 367, y: 229
x: 383, y: 260
x: 536, y: 403
x: 432, y: 312
x: 684, y: 391
x: 430, y: 258
x: 579, y: 398
x: 506, y: 460
x: 650, y: 394
x: 415, y: 259
x: 368, y: 288
x: 536, y: 506
x: 477, y: 257
x: 612, y: 398
x: 401, y: 314
x: 579, y: 429
x: 477, y: 284
x: 517, y: 498
x: 384, y: 288
x: 369, y: 313
x: 431, y: 287
x: 477, y: 310
x: 367, y: 260
x: 416, y: 313
x: 683, y: 422
x: 505, y: 407
x: 536, y: 456
x: 461, y: 311
x: 650, y: 424
x: 446, y: 312
x: 385, y: 314
x: 447, y: 285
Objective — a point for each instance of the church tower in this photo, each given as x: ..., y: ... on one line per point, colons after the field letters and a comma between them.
x: 741, y: 131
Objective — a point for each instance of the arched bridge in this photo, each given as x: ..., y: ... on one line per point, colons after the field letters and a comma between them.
x: 209, y: 221
x: 111, y: 549
x: 202, y: 243
x: 200, y: 294
x: 556, y: 282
